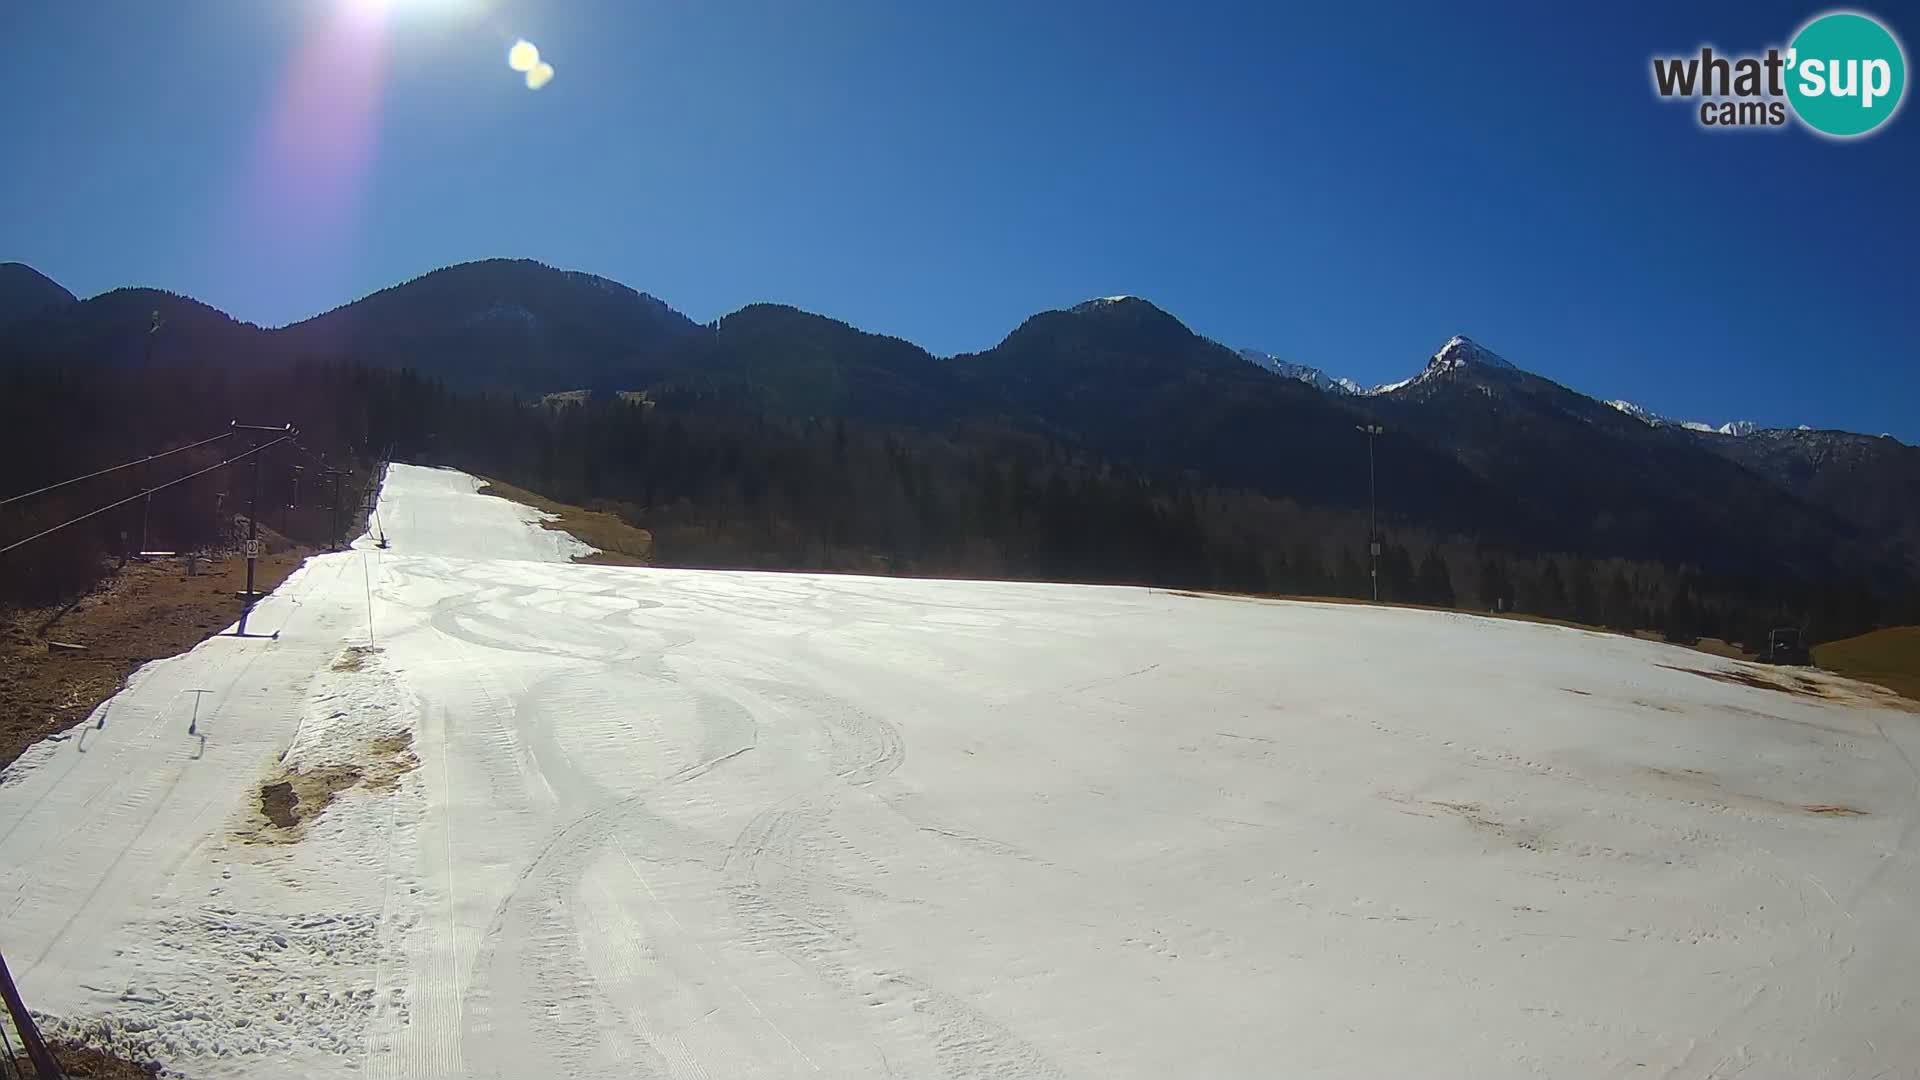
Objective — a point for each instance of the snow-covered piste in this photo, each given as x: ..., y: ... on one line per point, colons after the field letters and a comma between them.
x: 613, y: 822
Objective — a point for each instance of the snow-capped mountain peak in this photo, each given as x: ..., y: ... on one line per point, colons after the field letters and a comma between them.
x: 1458, y: 352
x: 1461, y: 351
x: 1312, y: 376
x: 1638, y: 413
x: 1100, y: 302
x: 1653, y: 419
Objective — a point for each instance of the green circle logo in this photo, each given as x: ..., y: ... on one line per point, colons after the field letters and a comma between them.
x: 1845, y: 74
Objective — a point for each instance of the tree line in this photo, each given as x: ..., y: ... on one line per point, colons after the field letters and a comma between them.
x: 725, y: 487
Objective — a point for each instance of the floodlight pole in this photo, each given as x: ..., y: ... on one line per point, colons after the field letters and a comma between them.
x: 1373, y: 527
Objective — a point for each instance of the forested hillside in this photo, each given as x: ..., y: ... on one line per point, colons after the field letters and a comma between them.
x: 733, y: 488
x: 1103, y: 442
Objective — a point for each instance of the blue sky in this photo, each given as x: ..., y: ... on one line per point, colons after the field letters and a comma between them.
x: 1342, y: 184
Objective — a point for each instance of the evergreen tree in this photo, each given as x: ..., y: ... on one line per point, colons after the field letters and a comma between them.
x: 1679, y: 624
x: 1618, y: 611
x: 1351, y: 580
x: 1496, y: 587
x: 1436, y: 585
x: 1309, y: 575
x: 1583, y: 602
x: 1550, y: 592
x: 1397, y: 579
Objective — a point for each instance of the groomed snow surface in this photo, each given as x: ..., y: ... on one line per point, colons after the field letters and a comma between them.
x: 612, y: 822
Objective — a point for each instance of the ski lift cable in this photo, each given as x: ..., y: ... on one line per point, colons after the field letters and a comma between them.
x: 142, y: 495
x: 112, y: 468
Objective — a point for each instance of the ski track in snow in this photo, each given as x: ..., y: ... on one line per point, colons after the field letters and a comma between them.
x: 687, y: 824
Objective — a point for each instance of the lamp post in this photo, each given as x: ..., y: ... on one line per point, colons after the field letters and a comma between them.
x: 1373, y: 529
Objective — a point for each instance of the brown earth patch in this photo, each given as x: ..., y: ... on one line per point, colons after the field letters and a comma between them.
x: 295, y: 799
x: 1832, y: 810
x: 1786, y: 683
x: 1694, y: 785
x: 620, y: 542
x: 393, y: 757
x: 147, y: 611
x: 83, y: 1062
x: 1518, y: 833
x: 1806, y: 683
x: 355, y: 657
x: 300, y: 797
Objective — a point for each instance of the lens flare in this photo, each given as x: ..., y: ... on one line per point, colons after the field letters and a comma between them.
x: 540, y: 76
x: 523, y: 57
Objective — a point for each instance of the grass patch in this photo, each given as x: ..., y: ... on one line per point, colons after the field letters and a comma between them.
x: 620, y: 543
x: 1889, y: 658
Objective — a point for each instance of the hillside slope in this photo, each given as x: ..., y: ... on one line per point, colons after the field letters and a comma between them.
x: 543, y: 818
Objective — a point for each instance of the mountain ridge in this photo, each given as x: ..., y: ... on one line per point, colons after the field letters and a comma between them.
x: 25, y: 291
x: 654, y: 322
x: 1474, y: 446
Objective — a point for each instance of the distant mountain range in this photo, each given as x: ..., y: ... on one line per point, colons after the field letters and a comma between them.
x: 1460, y: 350
x: 1475, y: 444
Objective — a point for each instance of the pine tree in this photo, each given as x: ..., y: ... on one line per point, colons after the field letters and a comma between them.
x: 1550, y: 598
x: 1436, y: 585
x: 1351, y: 579
x: 1397, y: 579
x: 1583, y: 603
x: 1496, y: 588
x: 1679, y: 623
x: 1618, y: 612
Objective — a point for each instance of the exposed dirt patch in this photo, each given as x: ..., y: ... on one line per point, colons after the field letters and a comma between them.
x: 1518, y: 833
x: 1807, y: 683
x: 278, y: 802
x: 292, y: 801
x: 149, y: 610
x: 355, y: 657
x: 393, y: 757
x: 1785, y: 683
x: 1694, y: 785
x: 300, y: 797
x: 620, y: 543
x: 83, y: 1062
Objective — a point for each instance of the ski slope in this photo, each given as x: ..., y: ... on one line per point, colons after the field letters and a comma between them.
x: 614, y: 822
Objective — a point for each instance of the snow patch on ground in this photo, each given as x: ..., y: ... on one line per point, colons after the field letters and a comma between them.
x: 682, y: 823
x: 442, y: 501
